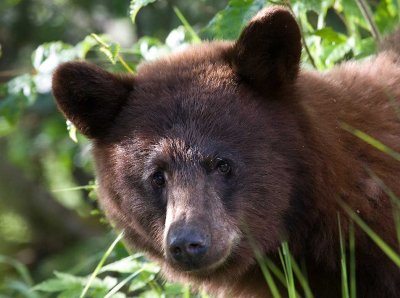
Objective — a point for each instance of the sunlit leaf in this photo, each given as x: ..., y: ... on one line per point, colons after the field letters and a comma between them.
x: 228, y: 23
x: 330, y: 35
x: 49, y: 55
x: 136, y: 5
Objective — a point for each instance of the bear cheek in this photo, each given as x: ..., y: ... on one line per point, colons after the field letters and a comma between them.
x: 264, y: 199
x: 124, y: 200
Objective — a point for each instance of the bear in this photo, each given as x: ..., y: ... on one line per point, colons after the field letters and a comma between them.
x: 215, y: 154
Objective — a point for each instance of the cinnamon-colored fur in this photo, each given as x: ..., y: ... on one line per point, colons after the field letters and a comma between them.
x: 280, y: 129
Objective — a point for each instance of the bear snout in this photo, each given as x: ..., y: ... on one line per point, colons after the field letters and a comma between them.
x: 187, y: 246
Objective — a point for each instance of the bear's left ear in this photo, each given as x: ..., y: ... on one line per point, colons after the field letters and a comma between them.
x: 89, y: 96
x: 267, y: 53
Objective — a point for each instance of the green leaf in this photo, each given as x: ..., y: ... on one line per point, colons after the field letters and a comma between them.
x: 20, y: 287
x: 111, y: 52
x: 73, y: 292
x: 136, y: 5
x: 338, y: 53
x: 228, y: 23
x: 65, y: 281
x: 328, y: 34
x: 59, y: 284
x: 85, y: 46
x: 18, y: 93
x: 72, y: 131
x: 19, y: 267
x: 173, y: 290
x: 5, y: 127
x: 126, y: 265
x: 366, y: 47
x: 141, y: 281
x: 351, y: 10
x: 315, y: 5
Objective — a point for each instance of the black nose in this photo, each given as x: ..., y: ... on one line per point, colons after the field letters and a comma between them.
x: 187, y: 246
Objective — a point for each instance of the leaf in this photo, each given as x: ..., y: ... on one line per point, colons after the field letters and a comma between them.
x: 141, y: 281
x: 228, y: 23
x: 19, y: 267
x: 386, y: 16
x: 49, y: 55
x: 338, y: 53
x: 73, y: 292
x: 126, y: 265
x: 24, y: 86
x: 136, y: 5
x: 315, y: 5
x: 17, y: 94
x: 5, y: 127
x: 72, y: 131
x: 20, y: 287
x: 111, y: 52
x: 173, y: 290
x: 328, y: 34
x: 85, y: 46
x: 59, y: 284
x: 65, y: 281
x: 366, y: 47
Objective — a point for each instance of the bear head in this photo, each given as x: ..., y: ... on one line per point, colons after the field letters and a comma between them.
x: 199, y: 155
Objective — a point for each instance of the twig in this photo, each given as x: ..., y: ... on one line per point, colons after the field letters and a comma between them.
x: 365, y: 10
x: 303, y: 39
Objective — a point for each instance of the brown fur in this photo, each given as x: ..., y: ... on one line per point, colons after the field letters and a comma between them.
x: 280, y: 130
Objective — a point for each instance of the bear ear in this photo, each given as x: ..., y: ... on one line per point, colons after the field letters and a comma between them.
x: 89, y: 96
x: 267, y: 53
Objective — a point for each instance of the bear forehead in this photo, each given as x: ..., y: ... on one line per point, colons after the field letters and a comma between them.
x: 191, y: 95
x: 206, y: 64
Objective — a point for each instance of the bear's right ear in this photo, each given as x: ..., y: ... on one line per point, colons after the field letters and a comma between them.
x: 89, y: 96
x: 267, y: 53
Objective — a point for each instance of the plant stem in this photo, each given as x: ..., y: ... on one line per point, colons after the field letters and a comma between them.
x: 366, y: 11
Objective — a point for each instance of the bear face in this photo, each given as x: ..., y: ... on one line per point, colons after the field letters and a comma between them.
x: 177, y: 161
x: 211, y: 154
x: 180, y: 161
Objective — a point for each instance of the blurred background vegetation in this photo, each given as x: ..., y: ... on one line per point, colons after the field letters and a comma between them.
x: 49, y: 220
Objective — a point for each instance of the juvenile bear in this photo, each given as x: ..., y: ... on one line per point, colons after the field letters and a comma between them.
x: 208, y: 154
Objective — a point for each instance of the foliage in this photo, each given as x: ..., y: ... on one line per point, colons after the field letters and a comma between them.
x: 333, y: 31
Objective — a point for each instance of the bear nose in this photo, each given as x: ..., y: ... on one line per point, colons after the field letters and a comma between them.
x: 187, y: 246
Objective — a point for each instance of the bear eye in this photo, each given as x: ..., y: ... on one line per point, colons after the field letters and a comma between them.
x: 158, y: 179
x: 223, y: 166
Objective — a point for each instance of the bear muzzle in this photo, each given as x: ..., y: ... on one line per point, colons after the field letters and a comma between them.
x: 187, y: 247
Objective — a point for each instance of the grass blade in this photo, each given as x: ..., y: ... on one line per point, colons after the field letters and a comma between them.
x: 100, y: 264
x: 267, y: 275
x: 370, y: 140
x: 19, y: 267
x: 352, y: 252
x: 123, y: 283
x: 343, y: 265
x: 188, y: 27
x: 394, y: 200
x: 390, y: 252
x: 286, y: 260
x: 302, y: 279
